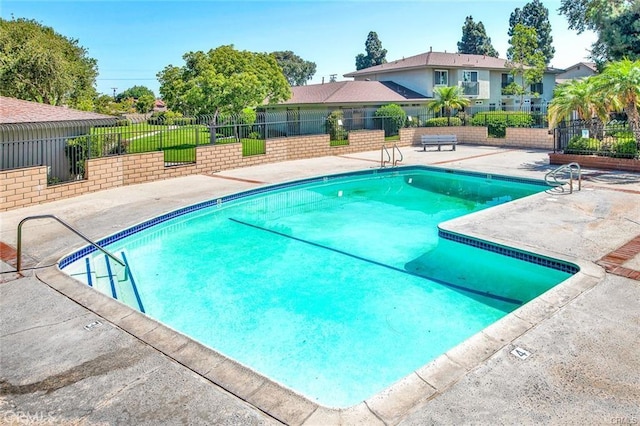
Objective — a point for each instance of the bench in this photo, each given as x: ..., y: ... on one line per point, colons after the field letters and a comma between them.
x: 432, y: 140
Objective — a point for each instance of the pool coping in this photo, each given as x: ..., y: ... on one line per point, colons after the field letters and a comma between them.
x: 287, y: 406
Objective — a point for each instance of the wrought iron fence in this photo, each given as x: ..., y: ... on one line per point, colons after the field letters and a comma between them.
x: 593, y: 137
x: 64, y: 147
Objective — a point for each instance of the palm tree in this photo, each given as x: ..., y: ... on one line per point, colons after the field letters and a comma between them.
x: 620, y: 84
x: 448, y: 98
x: 578, y: 96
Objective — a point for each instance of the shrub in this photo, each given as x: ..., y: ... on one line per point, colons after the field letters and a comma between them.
x: 580, y: 145
x: 122, y: 122
x: 464, y: 117
x: 442, y: 122
x: 247, y: 116
x: 169, y: 118
x: 624, y: 135
x: 335, y: 126
x: 82, y: 148
x: 498, y: 121
x: 414, y: 122
x: 392, y: 117
x: 625, y: 148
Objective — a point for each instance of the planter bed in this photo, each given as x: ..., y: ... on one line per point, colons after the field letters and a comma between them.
x: 596, y: 162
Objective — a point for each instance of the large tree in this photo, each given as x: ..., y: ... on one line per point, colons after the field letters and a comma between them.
x: 535, y: 15
x: 620, y: 35
x: 38, y: 64
x: 579, y: 97
x: 526, y: 61
x: 615, y: 22
x: 142, y: 98
x: 135, y: 92
x: 222, y: 80
x: 619, y: 82
x: 296, y: 70
x: 475, y: 40
x: 376, y: 55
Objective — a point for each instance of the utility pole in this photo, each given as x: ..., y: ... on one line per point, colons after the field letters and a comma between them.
x: 114, y: 92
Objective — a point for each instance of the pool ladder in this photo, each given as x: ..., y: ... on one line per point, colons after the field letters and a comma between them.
x: 551, y: 178
x: 390, y: 157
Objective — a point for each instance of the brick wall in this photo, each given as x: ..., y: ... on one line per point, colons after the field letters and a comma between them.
x: 477, y: 135
x: 595, y: 162
x: 26, y: 187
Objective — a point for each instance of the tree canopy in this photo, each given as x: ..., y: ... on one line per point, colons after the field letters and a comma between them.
x: 616, y: 23
x: 376, y: 55
x: 619, y: 83
x: 142, y: 98
x: 579, y: 96
x: 616, y: 89
x: 296, y: 70
x: 134, y: 92
x: 475, y: 40
x: 526, y: 60
x: 535, y: 15
x: 38, y: 64
x: 222, y: 80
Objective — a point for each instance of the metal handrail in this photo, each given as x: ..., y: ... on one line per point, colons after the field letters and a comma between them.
x: 570, y: 167
x: 382, y: 152
x: 66, y: 225
x: 396, y: 148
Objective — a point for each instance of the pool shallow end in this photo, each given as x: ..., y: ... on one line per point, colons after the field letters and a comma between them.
x: 285, y: 405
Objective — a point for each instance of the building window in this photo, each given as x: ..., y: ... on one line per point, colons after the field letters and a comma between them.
x: 470, y: 76
x: 507, y: 79
x: 470, y: 83
x: 441, y: 78
x: 537, y: 88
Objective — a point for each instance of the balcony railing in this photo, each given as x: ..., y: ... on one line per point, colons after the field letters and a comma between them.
x: 470, y: 88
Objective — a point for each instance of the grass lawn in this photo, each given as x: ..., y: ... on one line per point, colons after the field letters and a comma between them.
x: 177, y: 142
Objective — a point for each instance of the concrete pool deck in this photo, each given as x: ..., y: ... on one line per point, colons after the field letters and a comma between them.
x: 70, y: 355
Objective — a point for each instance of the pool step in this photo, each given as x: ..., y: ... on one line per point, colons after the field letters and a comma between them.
x: 113, y: 280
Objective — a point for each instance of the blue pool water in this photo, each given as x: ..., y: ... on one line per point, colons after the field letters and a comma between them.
x: 335, y: 288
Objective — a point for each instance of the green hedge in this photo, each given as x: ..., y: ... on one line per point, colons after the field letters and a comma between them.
x: 391, y: 118
x: 498, y: 121
x: 580, y: 145
x: 442, y: 122
x: 610, y: 147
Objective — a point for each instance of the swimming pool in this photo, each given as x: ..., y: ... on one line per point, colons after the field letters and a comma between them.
x: 316, y: 284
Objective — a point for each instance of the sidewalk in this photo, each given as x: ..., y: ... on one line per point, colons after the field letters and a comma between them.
x: 65, y: 363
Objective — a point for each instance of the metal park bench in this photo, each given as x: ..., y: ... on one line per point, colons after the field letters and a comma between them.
x: 438, y: 140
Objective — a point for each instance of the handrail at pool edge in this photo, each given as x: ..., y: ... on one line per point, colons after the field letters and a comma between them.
x: 66, y: 225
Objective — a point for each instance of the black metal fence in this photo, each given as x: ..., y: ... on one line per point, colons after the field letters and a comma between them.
x: 593, y: 137
x: 64, y: 147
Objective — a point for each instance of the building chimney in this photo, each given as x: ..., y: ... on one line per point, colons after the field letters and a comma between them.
x: 430, y: 49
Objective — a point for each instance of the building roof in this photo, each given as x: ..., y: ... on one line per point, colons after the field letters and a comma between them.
x: 13, y: 111
x: 439, y: 59
x: 589, y: 65
x: 352, y: 92
x: 569, y: 74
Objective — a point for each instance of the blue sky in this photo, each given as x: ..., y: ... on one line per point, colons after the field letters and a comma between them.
x: 134, y: 40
